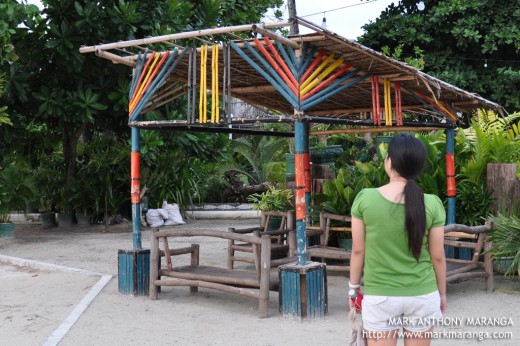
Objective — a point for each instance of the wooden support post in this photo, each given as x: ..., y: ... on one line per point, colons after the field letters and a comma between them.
x: 265, y: 262
x: 154, y: 264
x: 194, y: 263
x: 488, y: 265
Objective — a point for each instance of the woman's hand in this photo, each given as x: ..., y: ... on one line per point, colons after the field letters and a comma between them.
x: 443, y: 303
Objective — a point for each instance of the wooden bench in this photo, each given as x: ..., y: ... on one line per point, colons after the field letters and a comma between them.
x: 283, y: 239
x: 255, y: 284
x: 474, y: 238
x: 324, y: 251
x: 456, y: 235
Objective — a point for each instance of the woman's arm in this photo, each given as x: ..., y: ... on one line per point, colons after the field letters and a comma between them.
x: 358, y: 251
x: 436, y: 249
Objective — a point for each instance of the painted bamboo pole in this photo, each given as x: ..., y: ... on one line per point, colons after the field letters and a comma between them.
x: 326, y: 82
x: 287, y: 59
x: 300, y: 152
x: 316, y: 99
x: 450, y: 174
x: 135, y: 188
x: 307, y: 170
x: 264, y: 74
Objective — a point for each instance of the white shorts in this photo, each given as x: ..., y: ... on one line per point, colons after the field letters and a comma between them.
x: 415, y: 313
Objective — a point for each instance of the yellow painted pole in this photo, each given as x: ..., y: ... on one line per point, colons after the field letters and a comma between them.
x: 217, y: 105
x: 322, y: 75
x: 388, y: 102
x: 318, y: 70
x: 134, y: 101
x: 203, y: 96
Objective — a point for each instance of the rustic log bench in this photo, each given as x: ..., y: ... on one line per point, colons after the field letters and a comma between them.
x: 456, y: 235
x: 283, y: 239
x: 469, y: 237
x: 255, y: 284
x: 324, y: 251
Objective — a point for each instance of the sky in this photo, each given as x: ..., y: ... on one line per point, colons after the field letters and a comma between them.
x: 343, y: 20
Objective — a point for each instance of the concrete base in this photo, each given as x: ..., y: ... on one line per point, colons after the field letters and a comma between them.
x: 303, y: 290
x: 134, y: 272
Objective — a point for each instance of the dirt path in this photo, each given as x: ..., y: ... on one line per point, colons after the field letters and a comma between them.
x: 34, y: 302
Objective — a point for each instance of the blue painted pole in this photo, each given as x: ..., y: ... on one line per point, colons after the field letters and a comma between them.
x: 292, y: 100
x: 331, y: 90
x: 450, y: 175
x: 301, y: 208
x: 287, y: 60
x: 135, y: 189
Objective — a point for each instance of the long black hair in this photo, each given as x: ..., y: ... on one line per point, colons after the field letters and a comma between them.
x: 408, y: 157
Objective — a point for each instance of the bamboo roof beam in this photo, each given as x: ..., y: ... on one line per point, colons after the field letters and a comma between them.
x: 377, y: 130
x: 116, y: 59
x: 276, y: 37
x: 182, y: 35
x: 253, y: 88
x: 361, y: 110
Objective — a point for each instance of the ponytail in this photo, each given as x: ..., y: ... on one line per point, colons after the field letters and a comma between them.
x: 408, y: 156
x: 415, y: 217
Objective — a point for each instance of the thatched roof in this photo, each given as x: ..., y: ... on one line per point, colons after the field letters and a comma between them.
x: 352, y: 105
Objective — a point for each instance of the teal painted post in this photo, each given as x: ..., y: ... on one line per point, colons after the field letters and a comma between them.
x: 134, y: 265
x: 135, y: 193
x: 307, y: 171
x: 450, y: 174
x: 303, y: 285
x: 299, y: 173
x: 450, y: 182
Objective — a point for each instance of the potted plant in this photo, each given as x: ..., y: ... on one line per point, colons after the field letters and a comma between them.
x: 65, y: 205
x: 505, y: 238
x: 274, y: 199
x: 16, y: 189
x: 83, y: 202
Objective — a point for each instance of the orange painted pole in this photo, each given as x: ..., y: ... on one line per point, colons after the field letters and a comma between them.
x: 280, y: 60
x: 277, y: 68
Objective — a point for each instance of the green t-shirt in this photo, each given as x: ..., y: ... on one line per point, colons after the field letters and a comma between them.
x: 390, y: 268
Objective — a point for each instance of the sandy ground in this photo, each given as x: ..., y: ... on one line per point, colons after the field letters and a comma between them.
x: 36, y: 300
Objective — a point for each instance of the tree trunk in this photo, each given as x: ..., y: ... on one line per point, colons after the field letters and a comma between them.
x: 70, y: 145
x: 502, y: 183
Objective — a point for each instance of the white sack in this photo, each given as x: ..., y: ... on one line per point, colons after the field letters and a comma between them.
x: 174, y: 214
x: 156, y: 217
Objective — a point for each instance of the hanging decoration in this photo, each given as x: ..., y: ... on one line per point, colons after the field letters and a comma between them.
x: 388, y: 101
x: 398, y: 105
x: 376, y: 105
x: 215, y: 107
x: 203, y: 97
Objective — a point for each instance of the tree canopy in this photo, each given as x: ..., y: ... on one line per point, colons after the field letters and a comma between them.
x: 472, y: 44
x: 53, y: 84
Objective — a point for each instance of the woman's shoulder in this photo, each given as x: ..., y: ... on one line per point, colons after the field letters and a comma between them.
x: 368, y: 191
x: 432, y: 199
x: 433, y: 203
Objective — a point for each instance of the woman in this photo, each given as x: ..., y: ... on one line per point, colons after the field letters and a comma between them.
x: 398, y: 241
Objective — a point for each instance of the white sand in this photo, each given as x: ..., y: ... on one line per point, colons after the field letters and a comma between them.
x: 33, y: 303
